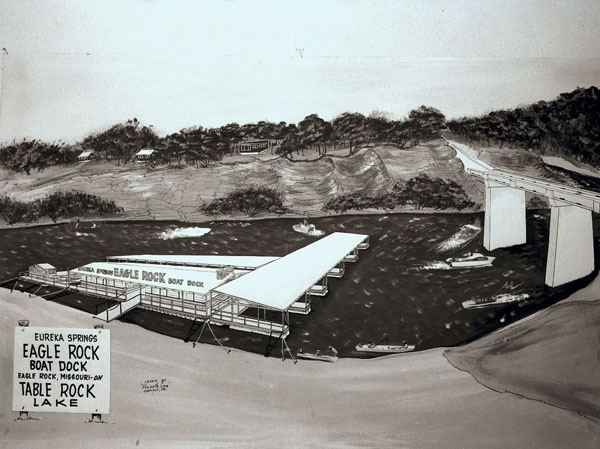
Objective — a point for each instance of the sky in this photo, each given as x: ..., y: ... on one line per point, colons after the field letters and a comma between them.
x: 77, y: 67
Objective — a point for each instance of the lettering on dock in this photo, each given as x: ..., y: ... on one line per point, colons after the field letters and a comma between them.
x: 137, y: 274
x: 61, y: 370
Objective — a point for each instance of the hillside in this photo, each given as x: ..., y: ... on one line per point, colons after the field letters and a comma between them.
x: 173, y: 193
x: 245, y: 400
x: 568, y: 125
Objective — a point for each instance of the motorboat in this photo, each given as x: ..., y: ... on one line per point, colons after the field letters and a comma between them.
x: 470, y: 260
x: 460, y: 238
x: 384, y: 349
x: 308, y: 229
x: 496, y: 300
x: 316, y: 356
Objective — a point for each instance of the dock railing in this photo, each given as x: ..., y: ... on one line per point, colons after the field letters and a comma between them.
x: 174, y: 304
x: 133, y: 296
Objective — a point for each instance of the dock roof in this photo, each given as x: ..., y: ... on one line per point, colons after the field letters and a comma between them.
x: 46, y: 266
x: 241, y: 262
x: 280, y: 283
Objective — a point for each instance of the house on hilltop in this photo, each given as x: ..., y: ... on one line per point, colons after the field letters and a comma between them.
x: 87, y: 156
x: 256, y: 146
x: 144, y: 155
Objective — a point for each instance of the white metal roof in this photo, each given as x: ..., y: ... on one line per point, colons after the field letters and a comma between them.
x: 242, y: 262
x: 86, y: 154
x: 280, y: 283
x: 189, y: 279
x: 46, y: 266
x: 146, y: 152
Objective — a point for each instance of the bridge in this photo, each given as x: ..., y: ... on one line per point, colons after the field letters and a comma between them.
x: 571, y: 241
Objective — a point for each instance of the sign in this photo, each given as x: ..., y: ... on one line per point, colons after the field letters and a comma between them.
x: 195, y: 280
x: 61, y: 370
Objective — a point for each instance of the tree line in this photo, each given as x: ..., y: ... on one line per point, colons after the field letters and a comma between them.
x: 55, y: 206
x: 570, y: 125
x: 419, y: 192
x: 200, y: 147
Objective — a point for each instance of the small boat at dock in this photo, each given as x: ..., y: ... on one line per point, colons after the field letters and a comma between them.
x: 317, y: 356
x: 308, y: 229
x: 384, y: 349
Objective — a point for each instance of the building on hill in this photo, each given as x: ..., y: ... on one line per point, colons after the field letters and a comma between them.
x: 144, y: 155
x: 87, y: 156
x: 257, y: 146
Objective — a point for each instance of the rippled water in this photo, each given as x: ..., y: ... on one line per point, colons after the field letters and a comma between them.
x: 384, y: 292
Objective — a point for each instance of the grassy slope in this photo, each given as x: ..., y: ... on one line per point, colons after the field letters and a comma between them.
x: 241, y: 399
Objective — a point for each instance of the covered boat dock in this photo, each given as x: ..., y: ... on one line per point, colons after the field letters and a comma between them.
x: 246, y: 293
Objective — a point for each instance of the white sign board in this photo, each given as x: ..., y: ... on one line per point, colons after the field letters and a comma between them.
x: 61, y: 370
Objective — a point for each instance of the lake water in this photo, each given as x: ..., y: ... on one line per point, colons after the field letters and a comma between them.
x: 384, y: 292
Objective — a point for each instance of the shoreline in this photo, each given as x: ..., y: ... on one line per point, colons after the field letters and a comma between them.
x: 131, y: 218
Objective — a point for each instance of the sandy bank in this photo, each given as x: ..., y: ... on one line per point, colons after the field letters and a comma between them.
x: 551, y: 357
x: 246, y: 400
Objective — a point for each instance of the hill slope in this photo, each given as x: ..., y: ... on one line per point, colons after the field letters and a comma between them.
x: 176, y: 193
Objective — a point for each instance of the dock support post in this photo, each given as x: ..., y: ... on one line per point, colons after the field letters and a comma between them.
x: 505, y: 222
x: 571, y: 244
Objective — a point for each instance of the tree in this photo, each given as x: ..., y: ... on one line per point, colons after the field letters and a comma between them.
x: 287, y: 147
x: 29, y: 155
x: 350, y: 127
x: 200, y: 146
x: 314, y: 132
x: 435, y: 193
x: 250, y: 201
x: 399, y: 133
x: 569, y: 124
x: 426, y: 123
x: 122, y: 141
x: 378, y: 125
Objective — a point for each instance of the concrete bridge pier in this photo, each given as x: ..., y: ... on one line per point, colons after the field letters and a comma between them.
x: 571, y: 243
x: 505, y: 221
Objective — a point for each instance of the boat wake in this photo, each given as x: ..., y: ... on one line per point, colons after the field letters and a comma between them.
x: 463, y: 236
x: 435, y: 266
x: 179, y: 233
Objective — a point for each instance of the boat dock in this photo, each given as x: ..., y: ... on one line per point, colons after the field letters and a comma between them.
x: 246, y: 293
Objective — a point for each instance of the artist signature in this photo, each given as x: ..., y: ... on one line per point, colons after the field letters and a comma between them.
x: 152, y: 385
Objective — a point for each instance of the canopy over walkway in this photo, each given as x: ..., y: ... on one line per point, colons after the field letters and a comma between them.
x: 280, y: 283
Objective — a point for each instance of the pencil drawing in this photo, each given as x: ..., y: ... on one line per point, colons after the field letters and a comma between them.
x: 213, y: 235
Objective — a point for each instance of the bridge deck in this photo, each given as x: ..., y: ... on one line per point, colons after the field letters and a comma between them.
x: 585, y: 199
